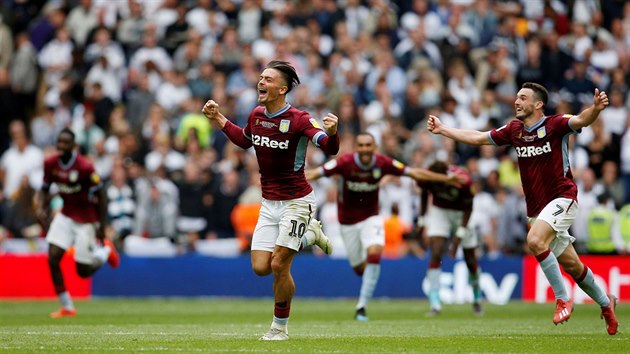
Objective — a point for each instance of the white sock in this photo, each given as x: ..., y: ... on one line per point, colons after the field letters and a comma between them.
x: 593, y: 290
x: 66, y: 300
x: 281, y: 324
x: 368, y: 283
x: 101, y: 254
x: 433, y: 274
x: 551, y: 268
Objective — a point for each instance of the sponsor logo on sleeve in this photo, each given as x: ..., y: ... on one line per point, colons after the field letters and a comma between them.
x: 399, y: 165
x: 314, y: 123
x: 95, y: 178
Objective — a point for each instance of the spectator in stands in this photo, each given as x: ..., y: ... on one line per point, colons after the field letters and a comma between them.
x: 602, y: 228
x: 20, y: 218
x: 195, y: 198
x: 55, y: 58
x: 88, y: 133
x: 175, y: 34
x: 139, y: 101
x: 395, y: 231
x: 162, y: 155
x: 131, y: 28
x: 193, y: 124
x: 157, y: 209
x: 21, y: 160
x: 23, y: 73
x: 612, y: 184
x: 81, y: 20
x: 121, y: 202
x: 225, y: 199
x: 44, y: 128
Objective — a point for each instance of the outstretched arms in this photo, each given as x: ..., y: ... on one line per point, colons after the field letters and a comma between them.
x: 588, y: 116
x: 466, y: 136
x: 424, y: 175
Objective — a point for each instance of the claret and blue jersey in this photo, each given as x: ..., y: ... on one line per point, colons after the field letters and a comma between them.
x: 543, y: 158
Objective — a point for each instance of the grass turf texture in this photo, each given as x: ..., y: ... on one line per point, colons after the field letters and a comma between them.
x: 217, y: 325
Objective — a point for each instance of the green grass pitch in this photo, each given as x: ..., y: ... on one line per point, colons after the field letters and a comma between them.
x: 218, y: 325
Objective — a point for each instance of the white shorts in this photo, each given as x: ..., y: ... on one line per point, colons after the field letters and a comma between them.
x: 559, y: 214
x: 358, y: 237
x: 441, y: 222
x: 65, y: 232
x: 283, y: 223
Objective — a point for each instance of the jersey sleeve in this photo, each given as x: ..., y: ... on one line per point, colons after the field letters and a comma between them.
x: 93, y: 178
x: 502, y: 135
x: 47, y: 175
x: 333, y: 167
x: 314, y: 132
x: 561, y: 123
x: 393, y: 167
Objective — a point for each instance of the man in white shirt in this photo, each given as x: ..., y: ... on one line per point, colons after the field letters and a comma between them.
x: 21, y: 159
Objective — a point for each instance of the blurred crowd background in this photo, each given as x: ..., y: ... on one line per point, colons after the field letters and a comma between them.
x: 130, y: 78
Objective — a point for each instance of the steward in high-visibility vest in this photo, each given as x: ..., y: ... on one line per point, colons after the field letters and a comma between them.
x: 624, y: 226
x: 600, y: 228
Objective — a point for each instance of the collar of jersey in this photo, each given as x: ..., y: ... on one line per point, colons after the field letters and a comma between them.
x: 282, y: 110
x: 357, y: 160
x: 537, y: 125
x: 70, y: 162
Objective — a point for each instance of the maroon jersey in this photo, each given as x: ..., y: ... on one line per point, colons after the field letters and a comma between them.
x: 77, y: 181
x: 450, y: 197
x: 358, y: 197
x: 280, y: 141
x: 543, y: 159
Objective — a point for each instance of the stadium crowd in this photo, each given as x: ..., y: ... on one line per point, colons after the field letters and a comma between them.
x: 130, y: 77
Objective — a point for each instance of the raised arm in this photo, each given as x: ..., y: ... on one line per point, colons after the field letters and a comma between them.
x: 235, y: 133
x: 588, y: 116
x: 466, y: 136
x: 329, y: 143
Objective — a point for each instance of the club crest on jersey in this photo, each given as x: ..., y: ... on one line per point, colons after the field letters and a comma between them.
x: 284, y: 125
x: 541, y: 132
x: 376, y: 173
x: 73, y: 176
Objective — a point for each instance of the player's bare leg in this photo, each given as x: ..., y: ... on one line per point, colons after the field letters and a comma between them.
x: 283, y: 289
x: 370, y: 272
x: 438, y: 245
x: 572, y: 265
x: 473, y: 278
x: 539, y: 238
x: 55, y: 254
x: 261, y: 262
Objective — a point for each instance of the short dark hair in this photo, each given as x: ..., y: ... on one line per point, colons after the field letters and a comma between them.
x: 67, y: 131
x: 540, y: 92
x: 287, y: 71
x: 366, y: 134
x: 439, y: 167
